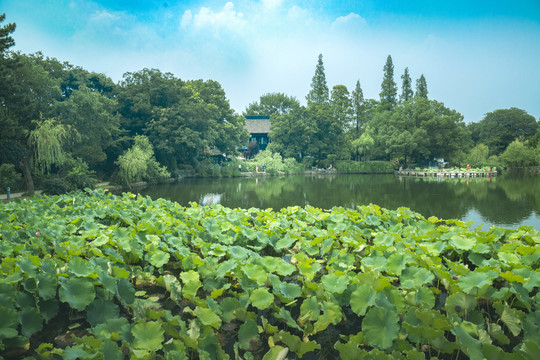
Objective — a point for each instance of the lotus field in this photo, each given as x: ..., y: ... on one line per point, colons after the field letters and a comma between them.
x: 90, y: 275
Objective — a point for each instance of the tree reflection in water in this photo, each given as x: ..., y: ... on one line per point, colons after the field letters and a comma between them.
x: 508, y: 200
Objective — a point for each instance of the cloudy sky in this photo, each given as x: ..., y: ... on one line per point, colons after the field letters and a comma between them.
x: 477, y: 56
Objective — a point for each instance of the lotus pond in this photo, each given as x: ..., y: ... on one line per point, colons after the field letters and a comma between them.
x: 98, y: 276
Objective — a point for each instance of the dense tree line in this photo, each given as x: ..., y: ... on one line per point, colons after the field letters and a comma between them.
x: 62, y: 122
x: 408, y: 129
x: 65, y: 126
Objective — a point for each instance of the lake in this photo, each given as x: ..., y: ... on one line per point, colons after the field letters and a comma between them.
x: 509, y: 200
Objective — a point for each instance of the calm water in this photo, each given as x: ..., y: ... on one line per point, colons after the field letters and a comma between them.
x: 509, y: 200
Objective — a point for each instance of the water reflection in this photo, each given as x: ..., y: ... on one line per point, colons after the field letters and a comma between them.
x: 510, y: 200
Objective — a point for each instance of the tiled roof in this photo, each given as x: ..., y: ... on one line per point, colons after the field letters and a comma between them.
x: 258, y: 126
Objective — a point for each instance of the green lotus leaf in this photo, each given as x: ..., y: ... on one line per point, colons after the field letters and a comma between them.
x: 122, y: 237
x: 290, y: 291
x: 331, y: 315
x: 30, y: 320
x: 285, y: 315
x: 414, y: 277
x: 249, y: 233
x: 278, y: 265
x: 115, y: 329
x: 460, y: 303
x: 9, y: 323
x: 77, y: 292
x: 148, y: 336
x: 496, y: 332
x: 48, y: 308
x: 470, y: 346
x: 159, y: 258
x: 285, y: 242
x: 380, y: 327
x: 261, y: 298
x: 276, y: 353
x: 509, y: 258
x: 110, y: 350
x: 226, y: 267
x: 255, y: 272
x: 208, y: 317
x: 309, y: 310
x: 463, y: 243
x: 125, y: 291
x: 377, y: 262
x: 511, y: 319
x: 230, y: 308
x: 46, y: 286
x: 100, y: 241
x: 172, y: 284
x: 384, y: 239
x: 79, y: 266
x: 248, y: 333
x: 75, y: 353
x: 296, y: 344
x: 28, y: 266
x: 239, y: 253
x: 362, y: 298
x: 396, y: 263
x: 423, y: 297
x: 334, y: 283
x: 478, y: 280
x: 100, y: 311
x: 213, y: 228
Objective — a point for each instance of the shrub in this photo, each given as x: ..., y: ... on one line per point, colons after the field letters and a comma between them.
x: 9, y: 177
x: 365, y: 167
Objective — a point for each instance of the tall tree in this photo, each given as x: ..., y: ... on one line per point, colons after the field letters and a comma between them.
x: 342, y: 106
x: 388, y: 92
x: 6, y: 41
x: 421, y: 87
x: 319, y: 93
x: 406, y: 86
x: 359, y: 107
x: 272, y: 104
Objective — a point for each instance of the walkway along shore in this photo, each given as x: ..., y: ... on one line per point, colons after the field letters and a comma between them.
x: 448, y: 173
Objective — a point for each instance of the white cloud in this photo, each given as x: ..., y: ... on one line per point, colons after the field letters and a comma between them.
x: 352, y: 17
x: 271, y: 4
x: 104, y: 15
x: 206, y: 17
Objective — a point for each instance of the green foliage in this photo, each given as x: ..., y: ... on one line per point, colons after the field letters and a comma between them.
x: 138, y: 163
x: 421, y: 87
x: 520, y: 156
x: 319, y: 93
x: 406, y: 86
x: 160, y: 280
x: 272, y: 104
x: 9, y: 177
x: 365, y: 167
x: 388, y: 92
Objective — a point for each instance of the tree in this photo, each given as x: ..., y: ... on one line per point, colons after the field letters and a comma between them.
x: 388, y: 92
x: 6, y: 41
x: 406, y: 87
x: 319, y: 90
x: 518, y: 155
x: 421, y: 87
x: 501, y: 127
x: 342, y: 106
x: 359, y: 107
x: 272, y: 104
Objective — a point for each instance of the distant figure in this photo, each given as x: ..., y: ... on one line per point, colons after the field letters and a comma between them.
x: 264, y: 168
x: 490, y: 169
x: 468, y: 167
x: 400, y: 168
x: 240, y: 167
x: 256, y: 168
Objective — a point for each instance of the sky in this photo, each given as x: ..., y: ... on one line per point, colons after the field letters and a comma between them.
x: 477, y: 56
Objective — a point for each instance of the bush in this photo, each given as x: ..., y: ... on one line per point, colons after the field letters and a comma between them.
x: 9, y: 177
x: 56, y: 186
x: 365, y: 167
x: 79, y: 176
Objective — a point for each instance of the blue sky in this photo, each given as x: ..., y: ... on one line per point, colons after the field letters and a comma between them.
x: 477, y: 56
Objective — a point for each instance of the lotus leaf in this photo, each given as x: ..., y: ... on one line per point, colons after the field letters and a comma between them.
x: 295, y: 344
x: 125, y: 291
x: 276, y: 353
x: 380, y: 327
x: 79, y: 267
x: 248, y: 334
x: 261, y: 298
x: 414, y: 277
x: 362, y: 298
x: 159, y: 258
x: 335, y: 283
x: 478, y: 280
x: 100, y: 311
x: 78, y: 292
x: 470, y: 346
x: 30, y: 320
x: 9, y: 323
x: 285, y: 242
x: 148, y: 336
x: 208, y: 317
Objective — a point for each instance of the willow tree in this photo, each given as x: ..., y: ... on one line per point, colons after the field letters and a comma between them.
x: 45, y: 149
